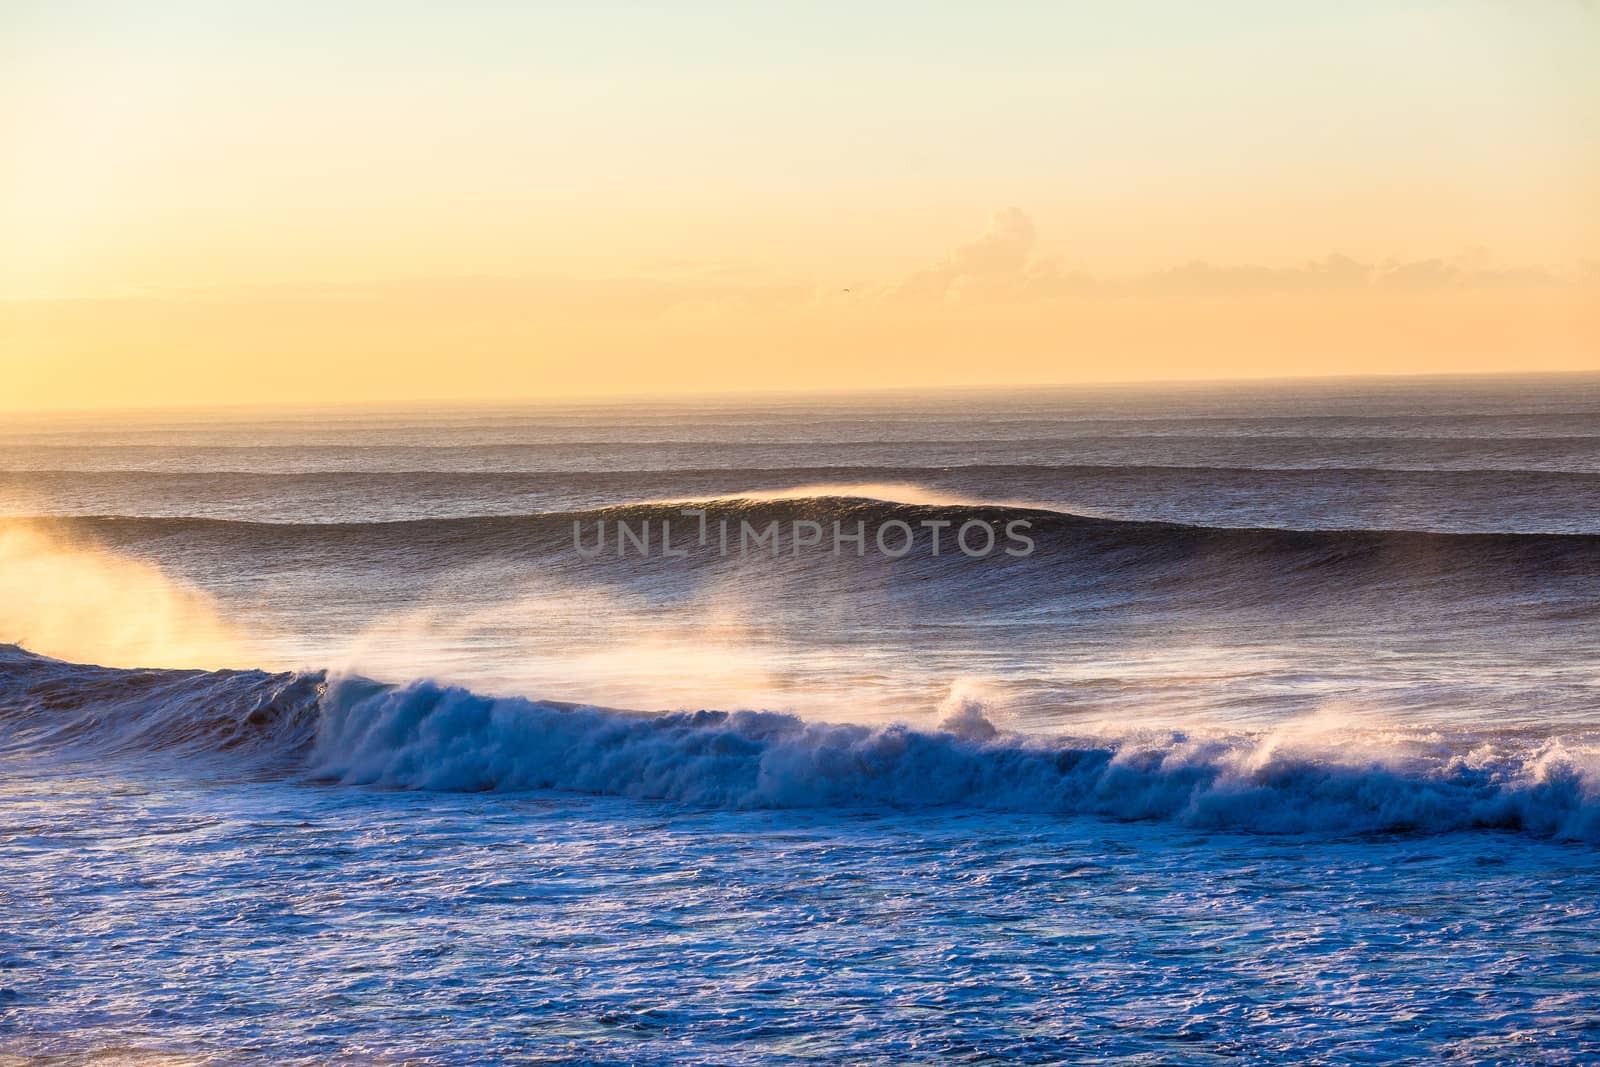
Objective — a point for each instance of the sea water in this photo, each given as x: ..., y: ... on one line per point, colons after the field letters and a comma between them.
x: 321, y: 741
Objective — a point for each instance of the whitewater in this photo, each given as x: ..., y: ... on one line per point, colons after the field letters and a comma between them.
x: 320, y: 743
x: 353, y: 731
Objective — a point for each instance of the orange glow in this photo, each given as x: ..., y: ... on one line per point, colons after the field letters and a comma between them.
x: 257, y: 204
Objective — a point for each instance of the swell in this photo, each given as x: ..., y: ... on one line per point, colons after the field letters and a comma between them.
x: 1078, y: 569
x: 355, y: 732
x: 555, y: 530
x: 1369, y: 498
x: 797, y: 424
x: 959, y: 445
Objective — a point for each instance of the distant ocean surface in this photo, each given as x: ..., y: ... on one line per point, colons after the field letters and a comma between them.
x: 322, y: 741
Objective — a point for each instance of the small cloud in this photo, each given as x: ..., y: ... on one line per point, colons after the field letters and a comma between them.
x: 1472, y: 269
x: 1005, y: 264
x: 1332, y: 271
x: 1000, y: 259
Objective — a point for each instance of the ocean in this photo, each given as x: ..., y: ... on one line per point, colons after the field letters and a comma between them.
x: 1246, y: 723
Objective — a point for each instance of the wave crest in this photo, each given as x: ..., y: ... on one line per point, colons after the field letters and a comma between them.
x: 434, y: 737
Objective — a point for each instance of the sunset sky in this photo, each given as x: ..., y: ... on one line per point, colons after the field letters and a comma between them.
x: 242, y: 202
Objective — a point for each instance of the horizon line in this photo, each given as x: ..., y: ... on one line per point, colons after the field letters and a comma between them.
x: 597, y: 399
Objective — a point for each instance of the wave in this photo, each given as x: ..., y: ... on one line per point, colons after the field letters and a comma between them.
x: 1368, y: 498
x: 1560, y: 500
x: 1078, y: 568
x: 427, y: 736
x: 1071, y: 534
x: 830, y: 502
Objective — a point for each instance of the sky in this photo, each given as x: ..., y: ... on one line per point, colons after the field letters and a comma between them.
x: 212, y: 202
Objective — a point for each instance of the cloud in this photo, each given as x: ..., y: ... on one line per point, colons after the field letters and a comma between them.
x: 1005, y: 264
x: 1473, y: 268
x: 1008, y: 264
x: 1331, y: 272
x: 1001, y: 261
x: 1335, y: 271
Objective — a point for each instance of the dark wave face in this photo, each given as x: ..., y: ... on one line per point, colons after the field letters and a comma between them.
x: 1044, y: 547
x: 1445, y: 501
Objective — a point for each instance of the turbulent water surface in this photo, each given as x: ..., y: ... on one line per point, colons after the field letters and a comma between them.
x: 1274, y: 736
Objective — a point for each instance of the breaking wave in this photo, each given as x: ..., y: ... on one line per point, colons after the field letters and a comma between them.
x: 427, y: 736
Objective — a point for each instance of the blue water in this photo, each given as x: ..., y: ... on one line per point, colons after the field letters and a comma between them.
x: 299, y: 923
x: 1283, y: 747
